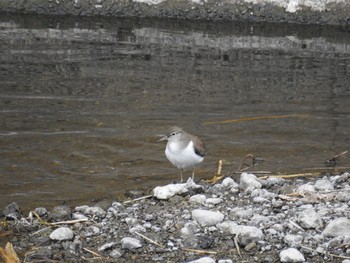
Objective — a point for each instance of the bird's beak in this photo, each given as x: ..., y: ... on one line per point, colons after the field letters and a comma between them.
x: 163, y: 139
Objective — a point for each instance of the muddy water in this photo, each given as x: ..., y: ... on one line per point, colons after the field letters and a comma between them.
x: 82, y: 102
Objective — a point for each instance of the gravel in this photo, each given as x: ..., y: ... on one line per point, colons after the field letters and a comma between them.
x: 253, y: 220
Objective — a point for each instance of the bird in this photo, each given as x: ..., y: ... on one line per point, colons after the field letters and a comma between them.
x: 183, y: 150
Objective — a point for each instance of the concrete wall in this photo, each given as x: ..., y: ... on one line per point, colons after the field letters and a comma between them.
x: 292, y: 11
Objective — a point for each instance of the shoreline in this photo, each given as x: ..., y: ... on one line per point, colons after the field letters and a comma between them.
x: 253, y: 219
x: 330, y: 12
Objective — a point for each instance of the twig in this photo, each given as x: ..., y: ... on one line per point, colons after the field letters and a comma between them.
x: 343, y: 245
x: 237, y: 246
x: 328, y: 254
x: 328, y: 168
x: 296, y: 225
x: 93, y: 252
x: 137, y: 199
x: 41, y: 230
x: 333, y: 160
x: 218, y: 173
x: 240, y: 169
x: 199, y: 251
x: 42, y: 221
x: 290, y: 175
x: 254, y: 172
x: 258, y: 118
x: 70, y: 221
x: 148, y: 239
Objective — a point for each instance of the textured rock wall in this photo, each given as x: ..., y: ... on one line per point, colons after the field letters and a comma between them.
x: 292, y: 11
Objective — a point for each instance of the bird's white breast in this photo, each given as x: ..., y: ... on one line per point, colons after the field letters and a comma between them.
x: 182, y: 157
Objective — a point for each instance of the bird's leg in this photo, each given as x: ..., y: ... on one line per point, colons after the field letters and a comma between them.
x: 181, y: 175
x: 193, y: 174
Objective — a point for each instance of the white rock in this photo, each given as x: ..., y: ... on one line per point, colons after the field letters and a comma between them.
x: 291, y: 255
x: 130, y: 243
x: 213, y: 201
x: 324, y: 184
x: 62, y: 233
x: 200, y: 199
x: 249, y: 181
x: 337, y: 227
x: 225, y: 261
x: 293, y: 240
x: 167, y: 191
x: 248, y: 234
x: 309, y: 218
x: 203, y: 260
x: 206, y: 217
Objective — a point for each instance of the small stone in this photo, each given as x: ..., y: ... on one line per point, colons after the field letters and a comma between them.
x: 206, y: 217
x: 248, y: 234
x: 213, y: 201
x: 249, y: 181
x: 324, y: 184
x: 291, y: 255
x: 199, y: 198
x: 250, y: 246
x: 203, y: 260
x: 225, y: 261
x: 130, y: 243
x: 309, y: 218
x: 337, y: 227
x: 62, y: 233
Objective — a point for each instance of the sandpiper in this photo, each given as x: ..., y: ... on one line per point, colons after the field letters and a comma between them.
x: 184, y: 150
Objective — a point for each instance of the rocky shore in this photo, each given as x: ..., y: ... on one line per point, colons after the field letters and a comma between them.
x: 253, y: 220
x: 334, y: 12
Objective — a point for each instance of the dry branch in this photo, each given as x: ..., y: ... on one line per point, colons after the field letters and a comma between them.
x: 198, y: 251
x: 138, y: 199
x: 148, y: 239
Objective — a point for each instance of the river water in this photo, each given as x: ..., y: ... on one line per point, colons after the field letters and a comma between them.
x: 83, y: 101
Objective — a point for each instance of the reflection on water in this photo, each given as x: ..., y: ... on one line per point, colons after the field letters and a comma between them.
x: 82, y: 102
